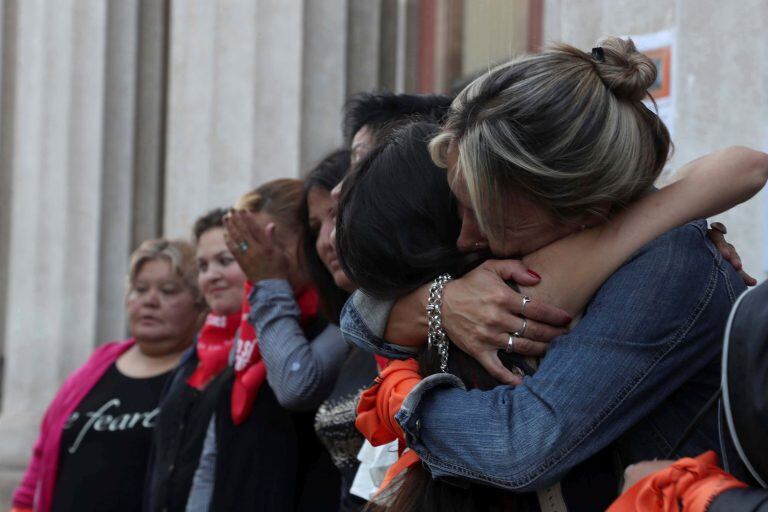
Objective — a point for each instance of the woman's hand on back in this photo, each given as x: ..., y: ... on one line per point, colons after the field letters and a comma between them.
x: 480, y: 311
x: 716, y: 234
x: 255, y: 247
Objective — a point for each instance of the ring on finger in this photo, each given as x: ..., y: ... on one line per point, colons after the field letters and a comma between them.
x: 526, y: 300
x: 511, y: 342
x: 243, y: 246
x: 521, y: 332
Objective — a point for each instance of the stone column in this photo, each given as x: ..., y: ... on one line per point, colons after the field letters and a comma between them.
x: 9, y: 470
x: 363, y: 45
x: 323, y: 79
x: 211, y: 115
x: 5, y: 174
x: 56, y: 130
x: 118, y: 163
x: 151, y: 104
x: 254, y: 94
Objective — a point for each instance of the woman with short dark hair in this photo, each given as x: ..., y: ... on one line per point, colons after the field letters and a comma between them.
x: 194, y: 389
x: 370, y: 116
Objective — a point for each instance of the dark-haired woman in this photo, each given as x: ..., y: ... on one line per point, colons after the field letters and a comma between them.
x: 191, y: 397
x: 335, y: 419
x: 408, y: 236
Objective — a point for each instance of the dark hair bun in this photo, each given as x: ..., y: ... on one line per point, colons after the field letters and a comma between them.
x: 627, y: 72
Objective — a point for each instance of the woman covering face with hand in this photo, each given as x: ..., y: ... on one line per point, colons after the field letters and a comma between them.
x: 95, y: 437
x: 258, y: 454
x: 191, y: 397
x: 329, y: 375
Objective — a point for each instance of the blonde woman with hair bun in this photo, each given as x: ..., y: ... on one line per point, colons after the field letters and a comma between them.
x: 536, y: 150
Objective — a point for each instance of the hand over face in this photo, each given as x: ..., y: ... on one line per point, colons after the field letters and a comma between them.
x: 480, y: 312
x: 251, y: 239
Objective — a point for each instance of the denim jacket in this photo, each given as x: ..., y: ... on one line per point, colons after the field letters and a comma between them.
x: 641, y: 363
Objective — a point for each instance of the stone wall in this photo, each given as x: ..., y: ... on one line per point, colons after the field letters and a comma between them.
x: 721, y: 82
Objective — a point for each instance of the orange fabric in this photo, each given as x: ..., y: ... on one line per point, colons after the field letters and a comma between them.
x: 378, y: 406
x: 379, y: 403
x: 689, y: 484
x: 17, y: 509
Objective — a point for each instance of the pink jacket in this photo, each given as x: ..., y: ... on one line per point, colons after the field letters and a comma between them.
x: 36, y: 488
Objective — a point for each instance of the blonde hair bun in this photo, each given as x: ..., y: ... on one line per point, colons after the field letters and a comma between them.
x: 624, y: 70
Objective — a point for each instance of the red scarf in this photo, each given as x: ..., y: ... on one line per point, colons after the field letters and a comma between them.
x: 213, y: 347
x: 250, y: 370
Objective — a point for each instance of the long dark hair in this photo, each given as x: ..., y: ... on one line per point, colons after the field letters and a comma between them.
x: 397, y: 227
x: 397, y: 217
x: 325, y: 175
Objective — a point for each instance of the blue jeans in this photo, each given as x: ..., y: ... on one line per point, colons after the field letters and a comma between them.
x: 641, y: 363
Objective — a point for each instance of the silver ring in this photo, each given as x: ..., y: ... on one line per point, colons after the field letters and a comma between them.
x: 243, y: 246
x: 521, y: 332
x: 526, y: 300
x: 510, y: 343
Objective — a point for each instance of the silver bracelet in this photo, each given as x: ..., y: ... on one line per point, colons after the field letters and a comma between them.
x: 436, y: 337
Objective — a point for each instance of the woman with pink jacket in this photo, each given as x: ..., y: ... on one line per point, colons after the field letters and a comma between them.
x: 95, y: 436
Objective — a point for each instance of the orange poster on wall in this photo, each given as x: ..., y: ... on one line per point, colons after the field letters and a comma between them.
x: 660, y: 47
x: 662, y: 57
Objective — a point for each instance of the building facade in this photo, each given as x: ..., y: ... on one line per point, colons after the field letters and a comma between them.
x: 125, y: 120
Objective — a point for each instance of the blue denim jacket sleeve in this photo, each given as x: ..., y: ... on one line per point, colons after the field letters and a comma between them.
x: 653, y: 325
x: 363, y: 320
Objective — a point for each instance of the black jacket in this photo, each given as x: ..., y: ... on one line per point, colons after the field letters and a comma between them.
x: 178, y: 436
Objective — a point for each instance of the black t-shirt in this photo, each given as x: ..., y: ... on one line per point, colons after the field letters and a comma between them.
x: 105, y: 445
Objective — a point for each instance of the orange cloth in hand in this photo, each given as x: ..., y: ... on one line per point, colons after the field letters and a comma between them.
x: 688, y: 485
x: 378, y: 406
